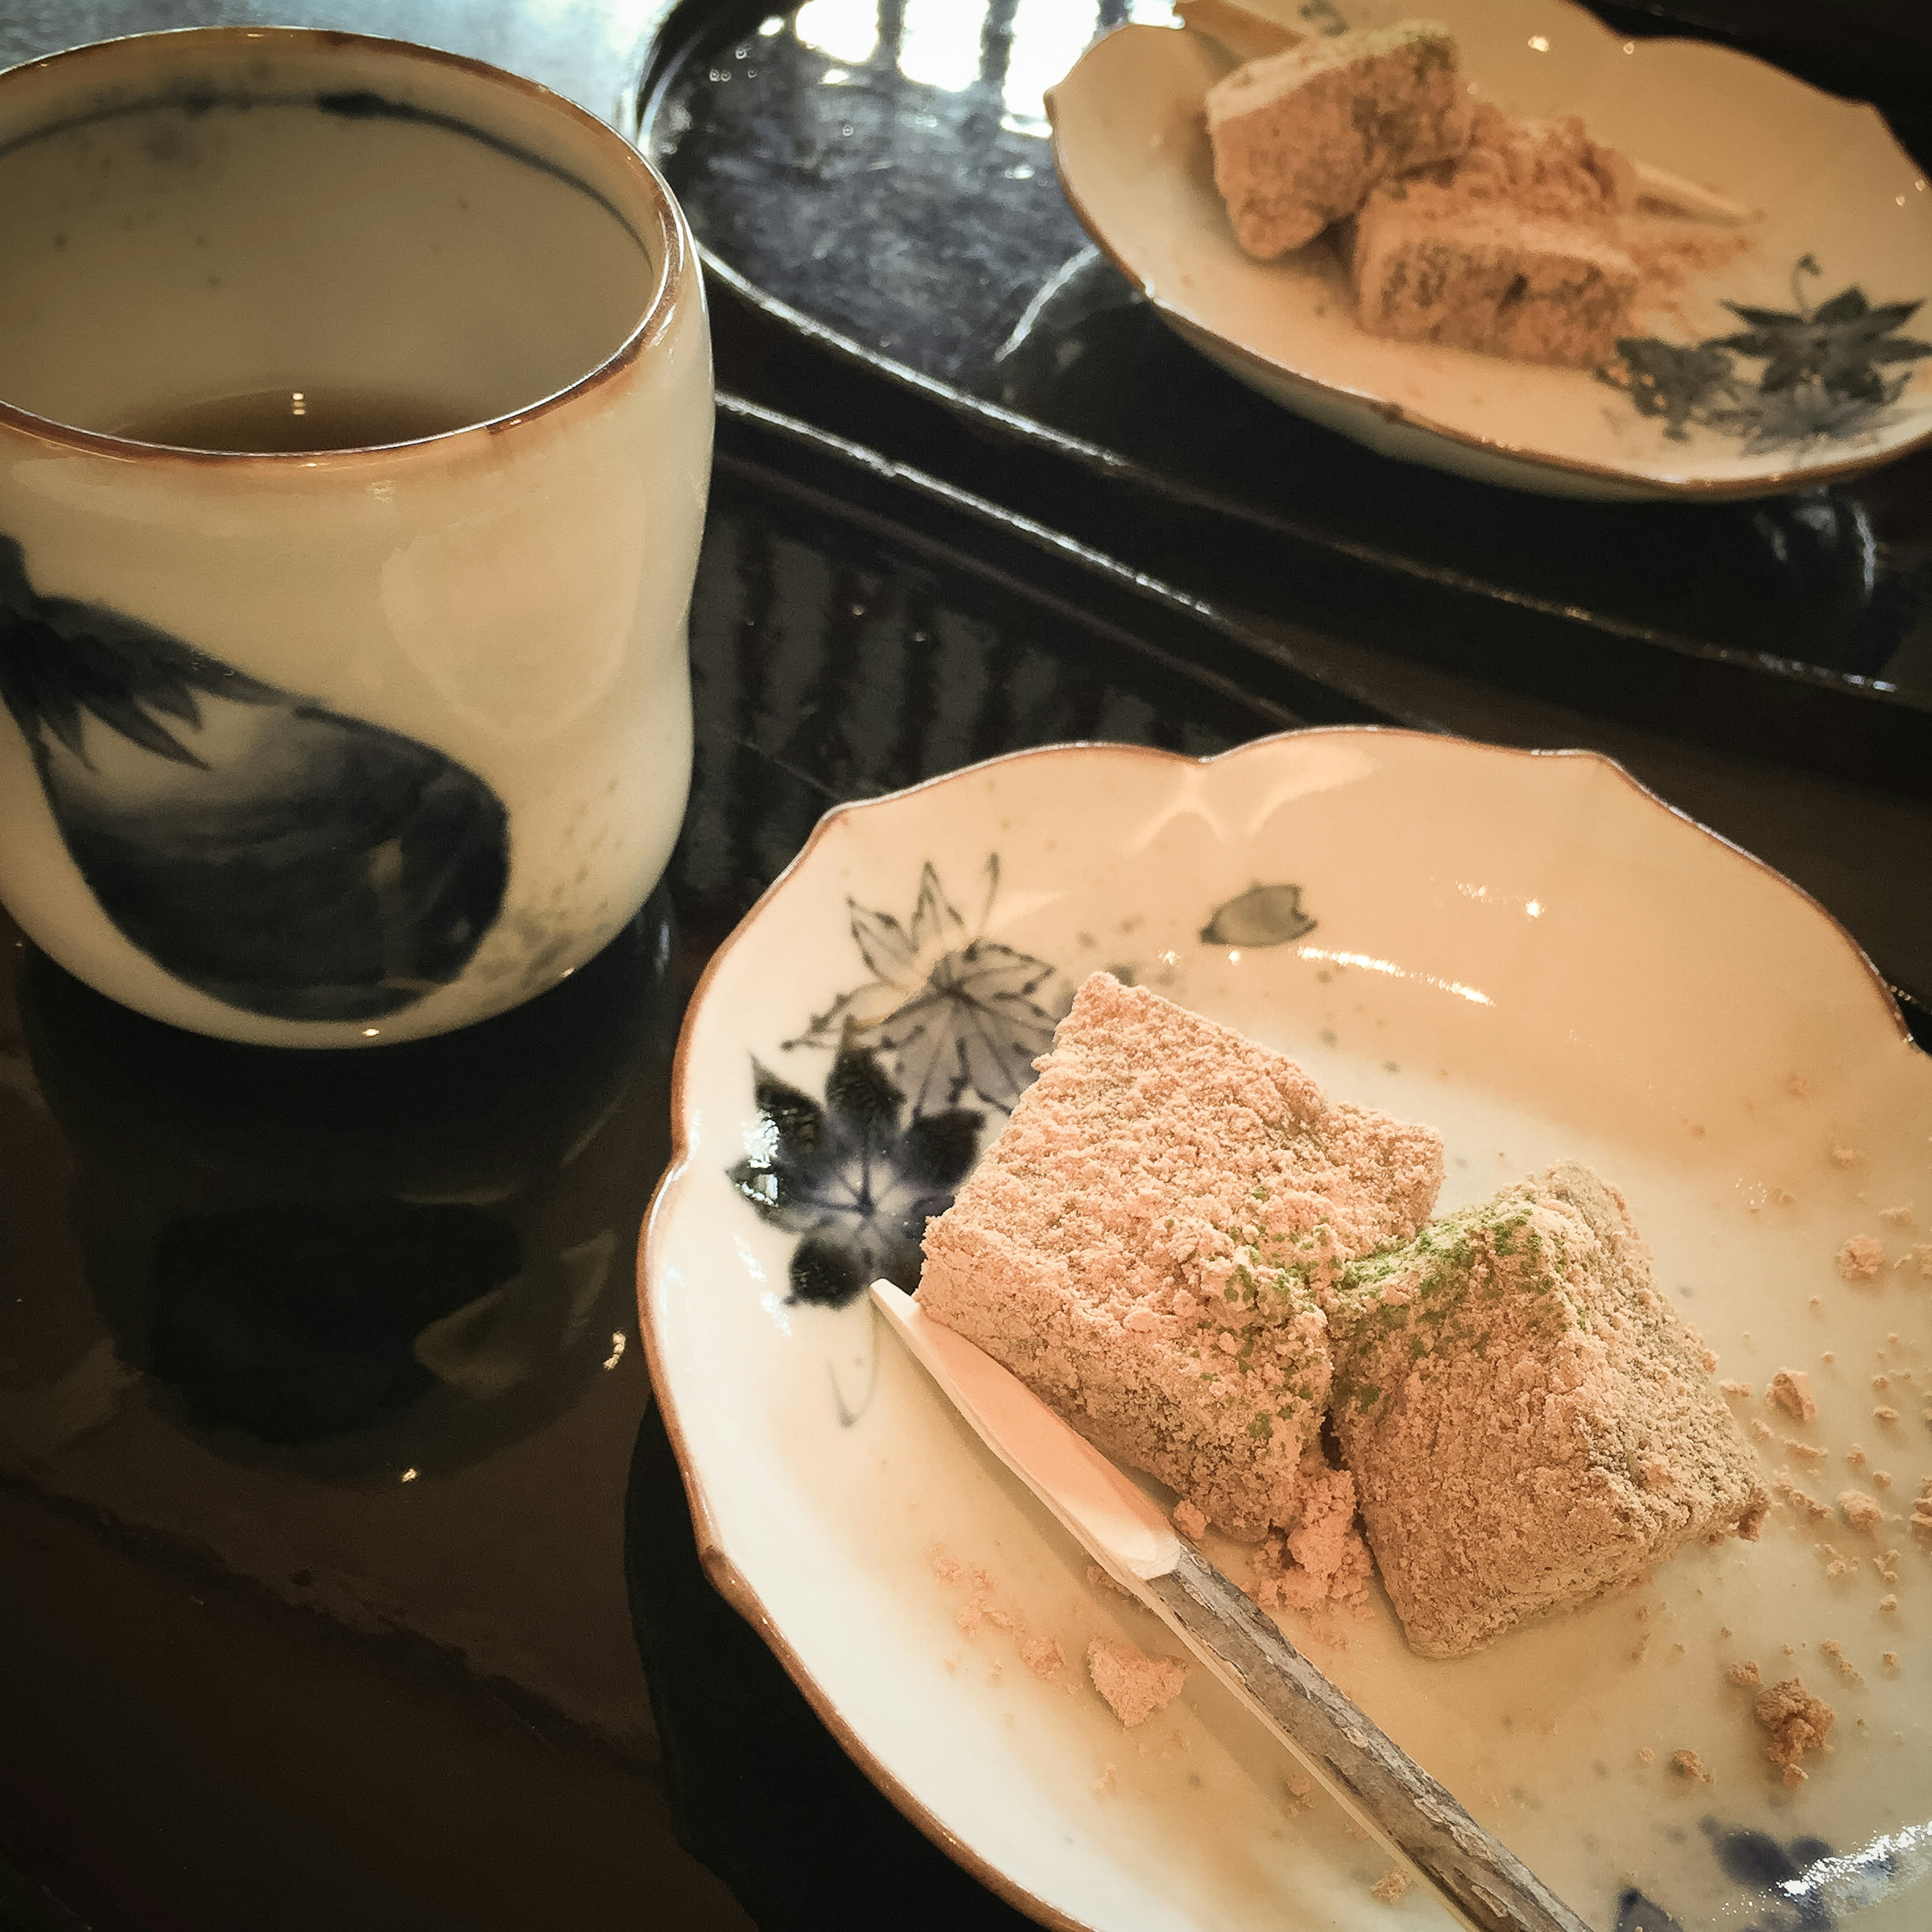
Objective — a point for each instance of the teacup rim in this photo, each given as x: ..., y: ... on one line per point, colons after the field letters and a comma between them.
x: 676, y: 257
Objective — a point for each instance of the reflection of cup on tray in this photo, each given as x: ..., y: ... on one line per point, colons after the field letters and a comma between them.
x: 354, y: 428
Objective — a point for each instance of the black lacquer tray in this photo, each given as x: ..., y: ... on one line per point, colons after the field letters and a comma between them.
x: 871, y: 185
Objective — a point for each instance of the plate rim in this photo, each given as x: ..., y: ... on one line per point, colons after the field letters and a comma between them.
x: 720, y: 1569
x: 1701, y: 490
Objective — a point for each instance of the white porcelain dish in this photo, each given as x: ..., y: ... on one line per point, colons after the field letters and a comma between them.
x: 1526, y: 950
x: 1842, y: 208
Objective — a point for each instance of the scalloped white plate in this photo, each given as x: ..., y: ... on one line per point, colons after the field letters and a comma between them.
x: 1833, y: 187
x: 1528, y: 950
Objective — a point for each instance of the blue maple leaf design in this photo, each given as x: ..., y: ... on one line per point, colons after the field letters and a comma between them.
x: 956, y: 1012
x: 856, y: 1184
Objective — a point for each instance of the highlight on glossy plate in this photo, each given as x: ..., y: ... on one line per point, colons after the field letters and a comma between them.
x: 1777, y: 240
x: 1531, y: 954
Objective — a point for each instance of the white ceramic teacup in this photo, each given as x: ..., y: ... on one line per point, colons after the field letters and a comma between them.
x: 349, y: 745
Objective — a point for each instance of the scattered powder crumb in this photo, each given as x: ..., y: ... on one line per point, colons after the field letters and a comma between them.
x: 1861, y: 1257
x: 1881, y: 1382
x: 1900, y: 1216
x: 1888, y: 1603
x: 1885, y: 1412
x: 1798, y: 1086
x: 1301, y: 1789
x: 1828, y: 1356
x: 1886, y: 1564
x: 1809, y: 1451
x: 1690, y: 1765
x: 1881, y: 1479
x: 1744, y: 1674
x: 1847, y: 1156
x: 1794, y: 1722
x: 1835, y: 1651
x: 1735, y: 1388
x: 1723, y: 1629
x: 1099, y: 1580
x: 1890, y: 1658
x: 1043, y: 1657
x: 981, y: 1610
x: 1390, y: 1886
x: 1791, y: 1390
x: 1189, y: 1521
x: 1860, y: 1510
x: 1322, y: 1559
x: 1856, y: 1455
x: 1921, y: 1509
x: 1135, y: 1684
x: 1837, y: 1565
x: 1761, y: 1428
x: 1784, y: 1196
x: 1922, y: 1255
x: 1356, y: 1832
x: 1796, y: 1497
x: 1105, y: 1783
x: 1645, y: 1754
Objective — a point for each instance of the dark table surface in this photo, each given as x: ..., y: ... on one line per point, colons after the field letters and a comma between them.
x: 346, y: 1577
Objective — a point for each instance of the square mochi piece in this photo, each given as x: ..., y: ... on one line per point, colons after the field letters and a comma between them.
x: 1528, y: 1421
x: 1300, y: 137
x: 1481, y: 276
x: 1144, y: 1243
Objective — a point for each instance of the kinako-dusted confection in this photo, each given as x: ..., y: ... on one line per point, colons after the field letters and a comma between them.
x: 1144, y: 1243
x: 1510, y: 249
x: 1300, y: 137
x: 1794, y: 1722
x: 1528, y: 1421
x: 1182, y: 1245
x: 1490, y: 280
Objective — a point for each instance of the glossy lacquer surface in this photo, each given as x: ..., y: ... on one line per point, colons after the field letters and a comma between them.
x: 879, y: 177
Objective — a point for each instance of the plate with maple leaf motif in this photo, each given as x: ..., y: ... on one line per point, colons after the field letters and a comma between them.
x: 1528, y: 952
x: 1774, y: 355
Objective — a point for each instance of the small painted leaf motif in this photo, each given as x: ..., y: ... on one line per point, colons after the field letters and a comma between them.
x: 1755, y: 1858
x: 956, y: 1012
x: 856, y: 1187
x: 1823, y: 379
x: 977, y: 1026
x: 828, y: 1270
x: 1636, y: 1913
x: 1836, y: 344
x: 863, y: 1101
x: 939, y: 1149
x: 1672, y: 380
x: 935, y: 921
x: 1777, y: 1874
x: 797, y: 1118
x: 1262, y: 916
x: 781, y: 1176
x: 283, y: 859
